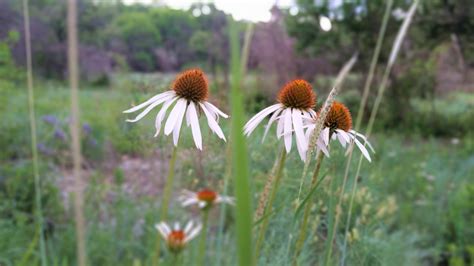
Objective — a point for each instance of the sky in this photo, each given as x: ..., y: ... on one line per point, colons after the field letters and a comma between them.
x: 253, y: 10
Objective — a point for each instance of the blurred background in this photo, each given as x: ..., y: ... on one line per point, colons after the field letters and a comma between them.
x: 129, y: 50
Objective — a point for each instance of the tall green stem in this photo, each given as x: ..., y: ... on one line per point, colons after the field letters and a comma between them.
x: 34, y: 150
x: 202, y: 242
x: 165, y: 201
x: 276, y: 183
x: 307, y: 210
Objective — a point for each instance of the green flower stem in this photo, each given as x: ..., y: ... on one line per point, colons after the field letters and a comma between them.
x: 307, y: 210
x: 165, y: 202
x: 266, y: 220
x: 202, y: 242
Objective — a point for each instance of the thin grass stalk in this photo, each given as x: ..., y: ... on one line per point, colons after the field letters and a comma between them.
x: 73, y: 68
x: 228, y: 169
x: 362, y: 105
x: 202, y: 242
x: 34, y: 149
x: 274, y: 189
x: 373, y: 64
x: 393, y: 56
x: 165, y: 201
x: 322, y: 116
x: 243, y: 208
x: 304, y: 224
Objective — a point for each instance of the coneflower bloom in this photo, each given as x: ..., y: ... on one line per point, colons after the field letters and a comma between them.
x: 177, y: 238
x: 189, y: 93
x: 338, y: 125
x: 204, y: 198
x: 295, y: 101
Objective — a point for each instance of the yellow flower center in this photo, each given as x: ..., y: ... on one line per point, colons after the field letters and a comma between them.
x: 297, y: 94
x: 176, y: 240
x: 191, y: 85
x: 339, y: 117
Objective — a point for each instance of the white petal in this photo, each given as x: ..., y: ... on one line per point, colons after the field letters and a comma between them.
x: 150, y: 101
x: 212, y: 123
x: 301, y: 143
x: 173, y: 116
x: 322, y: 146
x: 363, y: 150
x: 189, y: 201
x: 364, y: 138
x: 188, y: 227
x: 179, y: 121
x: 325, y: 134
x: 193, y: 233
x: 176, y: 226
x: 194, y: 120
x: 212, y: 107
x: 256, y: 119
x: 344, y: 135
x: 288, y: 130
x: 161, y: 115
x: 270, y: 121
x: 281, y: 123
x: 341, y: 139
x: 149, y: 108
x: 162, y: 230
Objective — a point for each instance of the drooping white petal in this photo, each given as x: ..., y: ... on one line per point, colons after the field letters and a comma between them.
x: 149, y: 108
x: 176, y: 226
x: 288, y: 129
x: 212, y: 123
x: 179, y: 121
x: 193, y: 233
x: 281, y: 123
x: 301, y: 143
x: 344, y: 135
x: 196, y: 130
x: 256, y: 119
x: 363, y: 149
x: 173, y: 116
x: 161, y: 115
x: 189, y: 201
x: 162, y: 230
x: 325, y: 135
x: 341, y: 139
x: 215, y: 109
x: 364, y: 138
x: 270, y: 121
x: 149, y: 101
x: 188, y: 227
x: 323, y: 147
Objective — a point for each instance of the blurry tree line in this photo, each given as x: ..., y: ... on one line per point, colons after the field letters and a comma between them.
x: 115, y: 37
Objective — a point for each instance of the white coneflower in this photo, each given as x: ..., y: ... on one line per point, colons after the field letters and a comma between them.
x: 204, y: 198
x: 177, y: 238
x: 189, y: 93
x: 296, y: 100
x: 338, y: 126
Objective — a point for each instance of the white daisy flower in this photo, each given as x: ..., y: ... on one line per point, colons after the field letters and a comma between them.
x: 204, y: 198
x: 296, y: 100
x: 189, y: 94
x: 177, y: 238
x: 338, y: 126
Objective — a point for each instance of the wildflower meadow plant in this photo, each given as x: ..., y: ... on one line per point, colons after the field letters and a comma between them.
x: 189, y: 95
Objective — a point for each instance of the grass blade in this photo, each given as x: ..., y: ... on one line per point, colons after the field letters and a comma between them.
x: 243, y: 208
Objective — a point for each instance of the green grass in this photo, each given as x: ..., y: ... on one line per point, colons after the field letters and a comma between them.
x: 414, y: 205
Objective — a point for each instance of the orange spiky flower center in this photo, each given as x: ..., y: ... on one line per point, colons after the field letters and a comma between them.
x: 207, y: 195
x: 191, y: 85
x: 297, y: 94
x: 339, y: 117
x: 176, y: 240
